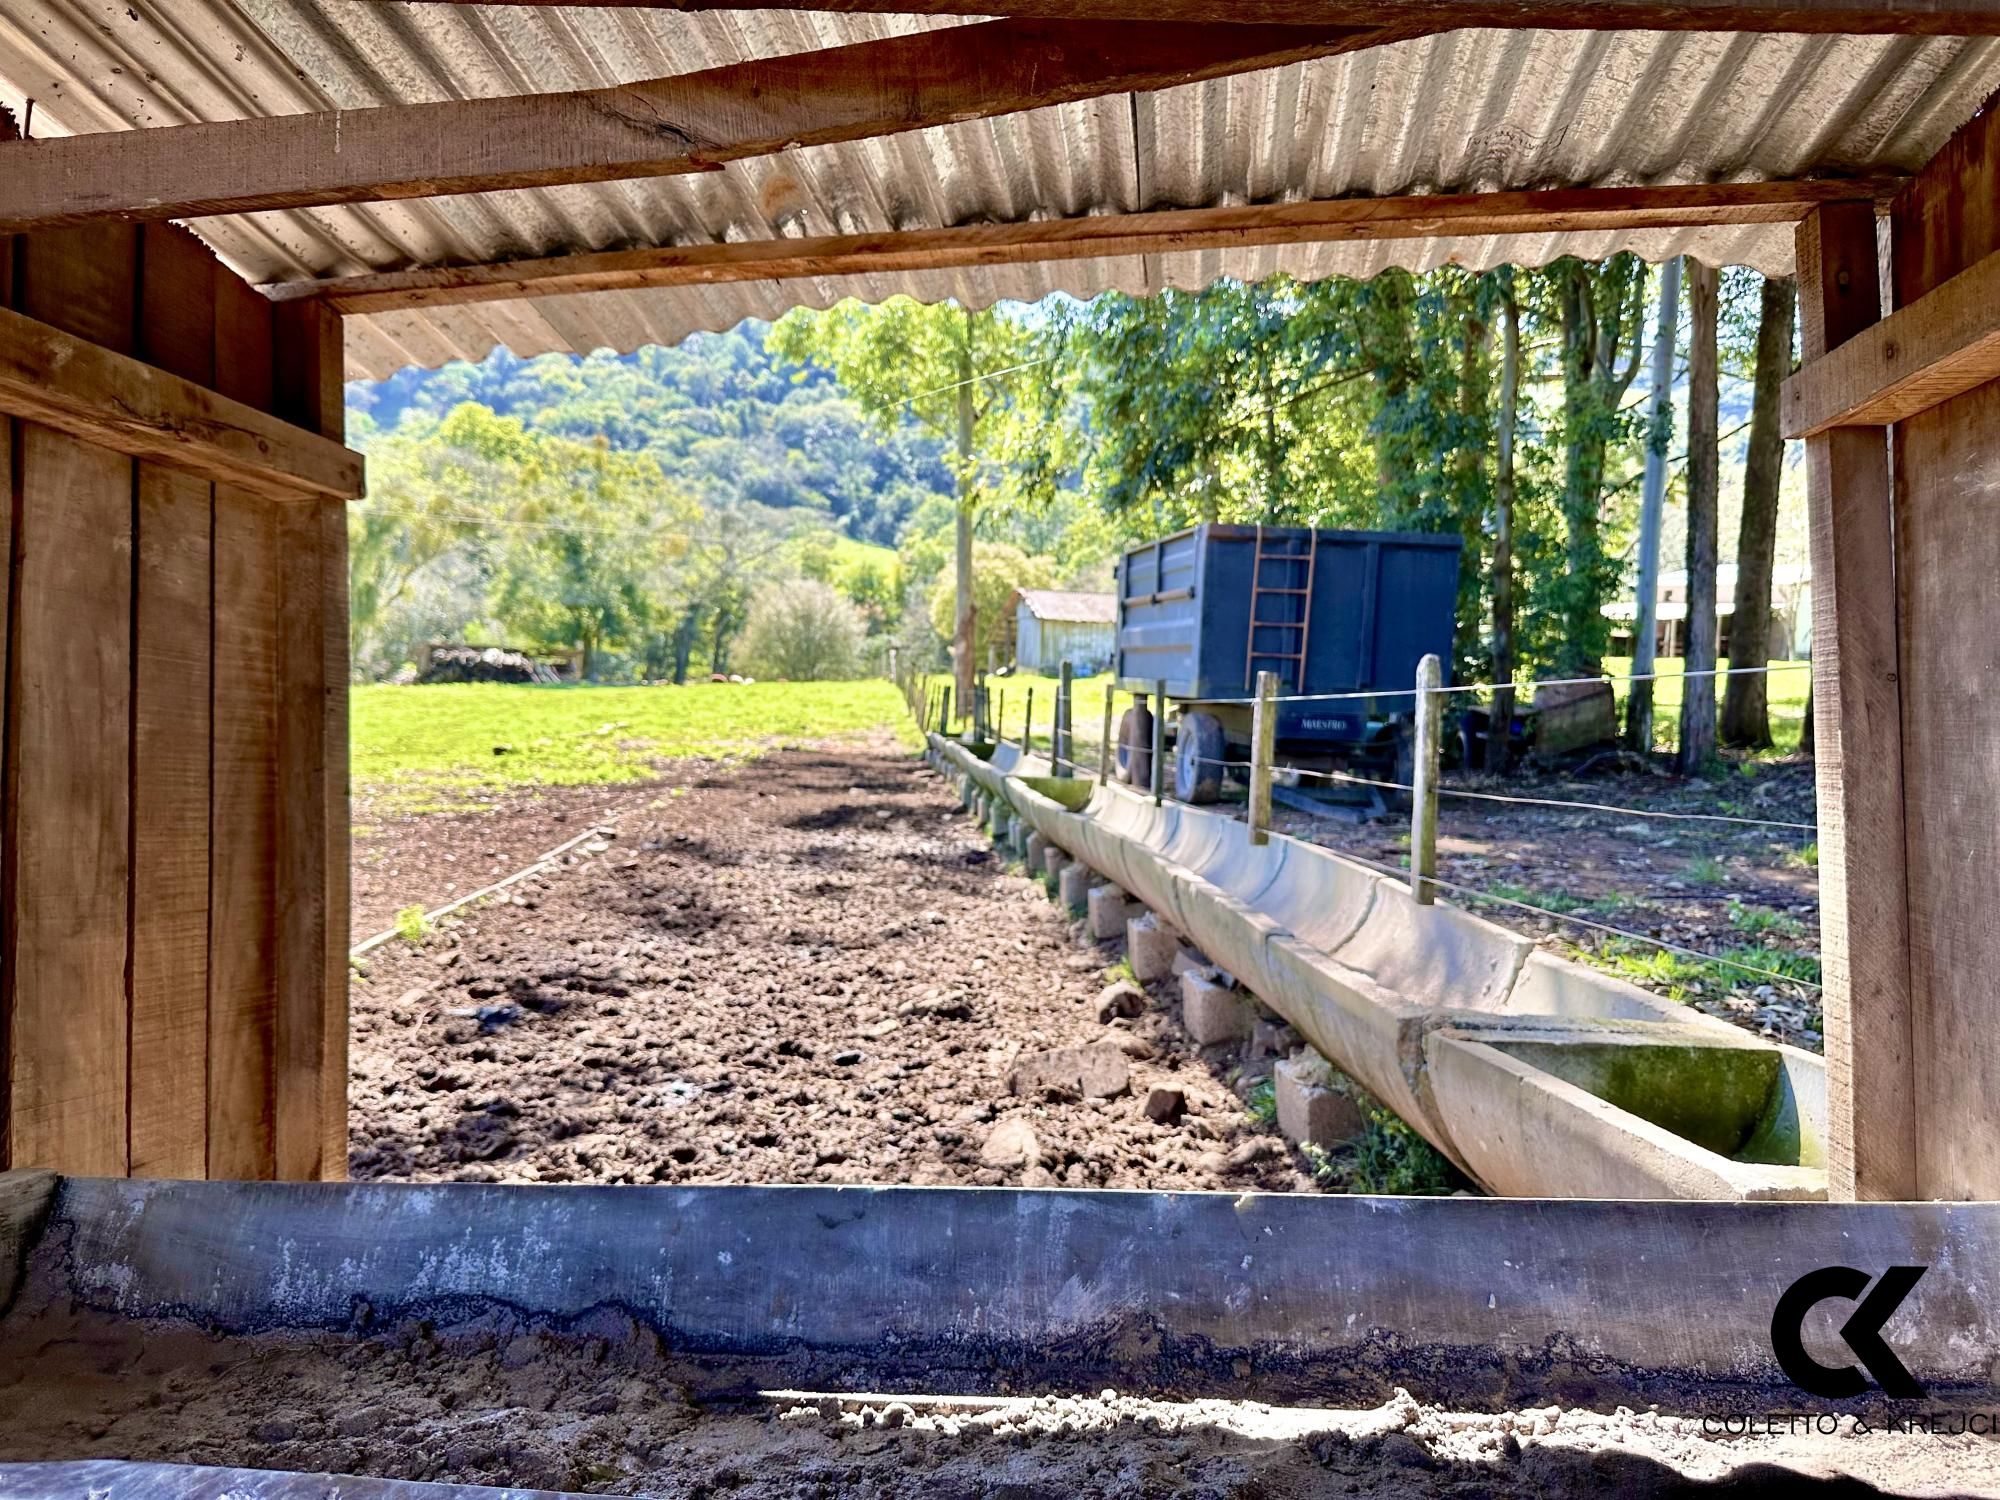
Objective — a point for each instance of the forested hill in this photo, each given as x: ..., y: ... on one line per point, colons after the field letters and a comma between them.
x: 723, y: 416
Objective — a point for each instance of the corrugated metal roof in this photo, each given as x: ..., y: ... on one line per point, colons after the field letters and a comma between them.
x: 1070, y: 606
x: 1462, y: 112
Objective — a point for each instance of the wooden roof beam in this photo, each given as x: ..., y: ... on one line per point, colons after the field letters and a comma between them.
x: 1857, y: 17
x: 1942, y: 345
x: 695, y: 122
x: 1473, y: 215
x: 60, y: 381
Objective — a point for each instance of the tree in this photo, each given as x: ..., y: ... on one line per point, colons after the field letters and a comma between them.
x: 1506, y: 425
x: 998, y: 571
x: 1600, y: 315
x: 1704, y: 462
x: 803, y: 632
x: 950, y: 368
x: 1652, y: 507
x: 588, y: 531
x: 1746, y: 718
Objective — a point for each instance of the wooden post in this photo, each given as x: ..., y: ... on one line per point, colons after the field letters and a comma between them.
x: 1424, y: 796
x: 1159, y: 740
x: 1872, y: 1137
x: 1104, y: 745
x: 1263, y: 743
x: 896, y: 674
x: 1000, y: 717
x: 944, y: 709
x: 980, y: 717
x: 1028, y: 726
x: 1065, y: 751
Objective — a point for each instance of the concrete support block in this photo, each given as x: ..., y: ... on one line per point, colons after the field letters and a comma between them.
x: 1037, y: 847
x: 1312, y: 1110
x: 1054, y: 862
x: 1150, y: 946
x: 1073, y: 885
x: 1109, y: 910
x: 1212, y: 1011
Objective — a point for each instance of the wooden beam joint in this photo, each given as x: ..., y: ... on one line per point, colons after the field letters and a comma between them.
x: 114, y: 401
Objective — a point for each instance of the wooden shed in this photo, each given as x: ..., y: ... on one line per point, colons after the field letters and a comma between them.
x: 1052, y: 626
x: 376, y: 186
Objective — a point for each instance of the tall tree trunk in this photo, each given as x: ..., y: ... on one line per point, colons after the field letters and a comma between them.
x: 1746, y: 719
x: 967, y: 632
x: 1474, y: 418
x: 1659, y: 437
x: 1704, y: 467
x: 1503, y: 524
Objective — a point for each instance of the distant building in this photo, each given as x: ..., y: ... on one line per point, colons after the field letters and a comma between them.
x: 1051, y: 625
x: 1791, y: 613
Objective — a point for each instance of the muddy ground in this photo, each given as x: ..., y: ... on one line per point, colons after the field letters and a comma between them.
x: 811, y: 968
x: 602, y: 1408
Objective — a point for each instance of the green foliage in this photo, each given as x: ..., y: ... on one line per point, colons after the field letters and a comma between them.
x: 412, y: 925
x: 1706, y: 869
x: 803, y: 632
x: 1387, y: 1158
x: 1805, y: 857
x: 997, y: 571
x: 1680, y: 976
x: 1261, y: 1103
x: 1756, y: 921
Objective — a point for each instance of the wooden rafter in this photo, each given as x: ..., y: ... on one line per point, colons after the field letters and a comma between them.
x: 1576, y: 210
x: 57, y: 380
x: 1940, y: 346
x: 691, y: 123
x: 1860, y: 17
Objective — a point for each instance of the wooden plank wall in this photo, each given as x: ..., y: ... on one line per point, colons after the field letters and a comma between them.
x: 1947, y: 515
x: 173, y: 878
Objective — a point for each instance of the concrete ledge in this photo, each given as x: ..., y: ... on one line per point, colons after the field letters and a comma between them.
x: 1481, y: 1302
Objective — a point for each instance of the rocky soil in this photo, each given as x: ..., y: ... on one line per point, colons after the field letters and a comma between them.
x: 810, y: 968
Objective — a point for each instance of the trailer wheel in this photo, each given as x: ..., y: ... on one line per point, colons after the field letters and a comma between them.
x: 1198, y: 759
x: 1404, y: 767
x: 1135, y: 746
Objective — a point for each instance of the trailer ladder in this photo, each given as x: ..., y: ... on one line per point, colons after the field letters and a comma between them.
x: 1286, y: 562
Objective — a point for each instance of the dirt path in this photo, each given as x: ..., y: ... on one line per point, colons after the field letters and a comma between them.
x: 807, y: 969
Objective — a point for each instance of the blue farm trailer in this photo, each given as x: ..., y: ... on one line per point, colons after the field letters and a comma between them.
x: 1206, y: 610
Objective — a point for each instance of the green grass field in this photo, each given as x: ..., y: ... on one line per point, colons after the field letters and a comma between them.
x: 419, y: 749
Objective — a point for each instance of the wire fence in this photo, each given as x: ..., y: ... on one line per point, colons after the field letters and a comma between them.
x: 1086, y: 754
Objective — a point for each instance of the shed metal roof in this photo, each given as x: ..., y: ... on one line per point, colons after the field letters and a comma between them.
x: 1070, y: 606
x: 1466, y: 111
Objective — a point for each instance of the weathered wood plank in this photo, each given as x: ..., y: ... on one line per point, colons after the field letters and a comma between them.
x: 68, y: 848
x: 170, y: 742
x: 1948, y: 569
x: 1870, y: 17
x: 243, y: 815
x: 1163, y: 232
x: 1942, y: 345
x: 311, y: 1077
x: 52, y: 377
x: 662, y: 127
x: 1871, y: 1105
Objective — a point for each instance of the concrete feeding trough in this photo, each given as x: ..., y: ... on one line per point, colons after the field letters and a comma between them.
x: 1535, y: 1076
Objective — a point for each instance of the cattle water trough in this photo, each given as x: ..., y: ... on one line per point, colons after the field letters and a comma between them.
x: 1537, y: 1077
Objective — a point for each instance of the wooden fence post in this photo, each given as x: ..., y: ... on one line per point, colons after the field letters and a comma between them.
x: 1424, y: 795
x: 944, y: 709
x: 1104, y: 745
x: 1000, y: 717
x: 1159, y: 739
x: 1263, y: 743
x: 1028, y: 726
x: 1064, y: 750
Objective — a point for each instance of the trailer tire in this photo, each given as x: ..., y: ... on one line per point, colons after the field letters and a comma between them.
x: 1404, y: 767
x: 1135, y: 747
x: 1198, y: 759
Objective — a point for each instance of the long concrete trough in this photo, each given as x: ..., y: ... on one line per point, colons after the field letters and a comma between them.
x: 1536, y: 1076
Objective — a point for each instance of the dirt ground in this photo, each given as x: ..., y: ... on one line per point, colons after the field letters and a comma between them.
x: 600, y: 1408
x: 811, y: 968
